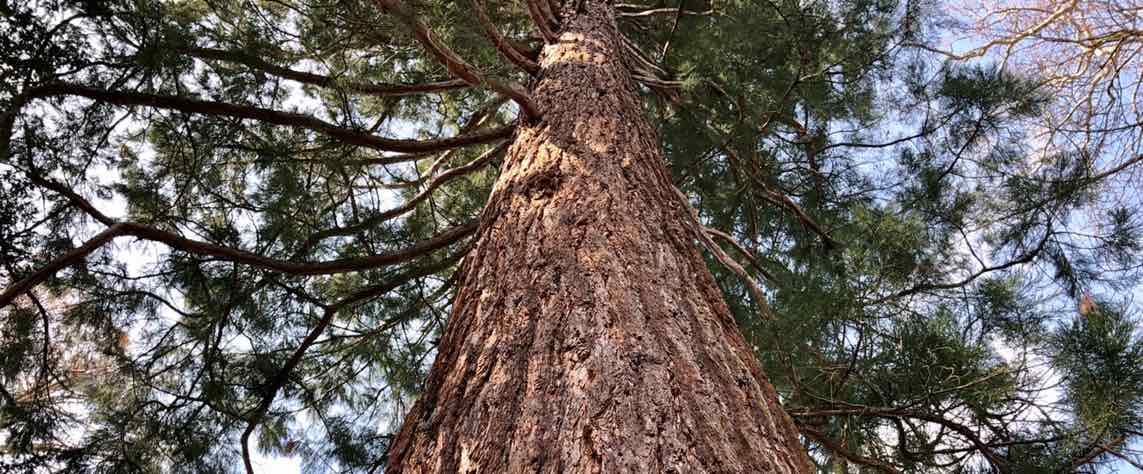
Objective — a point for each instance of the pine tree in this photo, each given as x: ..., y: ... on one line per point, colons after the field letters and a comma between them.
x: 586, y: 236
x: 587, y: 334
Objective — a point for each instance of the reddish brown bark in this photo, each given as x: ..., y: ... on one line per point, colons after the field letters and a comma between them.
x: 588, y: 334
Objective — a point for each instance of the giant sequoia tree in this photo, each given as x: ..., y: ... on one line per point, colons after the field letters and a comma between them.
x: 549, y: 236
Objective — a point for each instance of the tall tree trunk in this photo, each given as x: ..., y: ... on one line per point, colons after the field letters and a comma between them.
x: 588, y: 334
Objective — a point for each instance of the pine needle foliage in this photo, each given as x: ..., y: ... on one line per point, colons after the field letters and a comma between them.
x: 241, y: 221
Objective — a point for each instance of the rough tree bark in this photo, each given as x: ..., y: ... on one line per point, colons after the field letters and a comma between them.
x: 588, y: 334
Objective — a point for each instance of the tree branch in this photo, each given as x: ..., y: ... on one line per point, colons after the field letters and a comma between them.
x: 837, y: 448
x: 411, y: 203
x: 886, y: 412
x: 541, y: 21
x: 662, y: 11
x: 290, y: 119
x: 700, y: 232
x: 455, y: 65
x: 283, y: 375
x: 70, y: 258
x: 749, y: 257
x: 505, y: 49
x: 777, y: 198
x: 1027, y: 257
x: 1097, y: 450
x: 1111, y: 450
x: 1008, y: 41
x: 342, y: 265
x: 784, y: 201
x: 781, y: 200
x: 175, y: 241
x: 628, y: 10
x: 257, y: 63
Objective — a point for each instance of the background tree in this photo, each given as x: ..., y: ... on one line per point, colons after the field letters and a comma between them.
x: 1083, y: 53
x: 225, y: 220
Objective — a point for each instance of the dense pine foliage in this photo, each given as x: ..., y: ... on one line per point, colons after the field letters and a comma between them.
x: 229, y: 223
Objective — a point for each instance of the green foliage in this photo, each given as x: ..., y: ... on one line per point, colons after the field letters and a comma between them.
x: 923, y: 250
x: 1004, y: 306
x: 1100, y: 355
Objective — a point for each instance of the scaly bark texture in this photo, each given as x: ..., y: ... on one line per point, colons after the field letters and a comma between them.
x: 588, y: 335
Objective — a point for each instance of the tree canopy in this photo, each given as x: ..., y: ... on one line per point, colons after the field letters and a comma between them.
x: 234, y: 226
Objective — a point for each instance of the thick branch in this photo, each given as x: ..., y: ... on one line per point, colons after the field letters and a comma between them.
x: 255, y: 62
x: 276, y: 117
x: 176, y: 241
x: 477, y: 119
x: 120, y: 229
x: 509, y: 52
x: 47, y: 271
x: 541, y: 21
x: 301, y: 268
x: 451, y: 61
x: 749, y: 257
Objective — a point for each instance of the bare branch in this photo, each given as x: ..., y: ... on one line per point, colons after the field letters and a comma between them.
x: 1059, y: 12
x: 700, y: 233
x: 674, y: 29
x: 1084, y: 54
x: 749, y: 257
